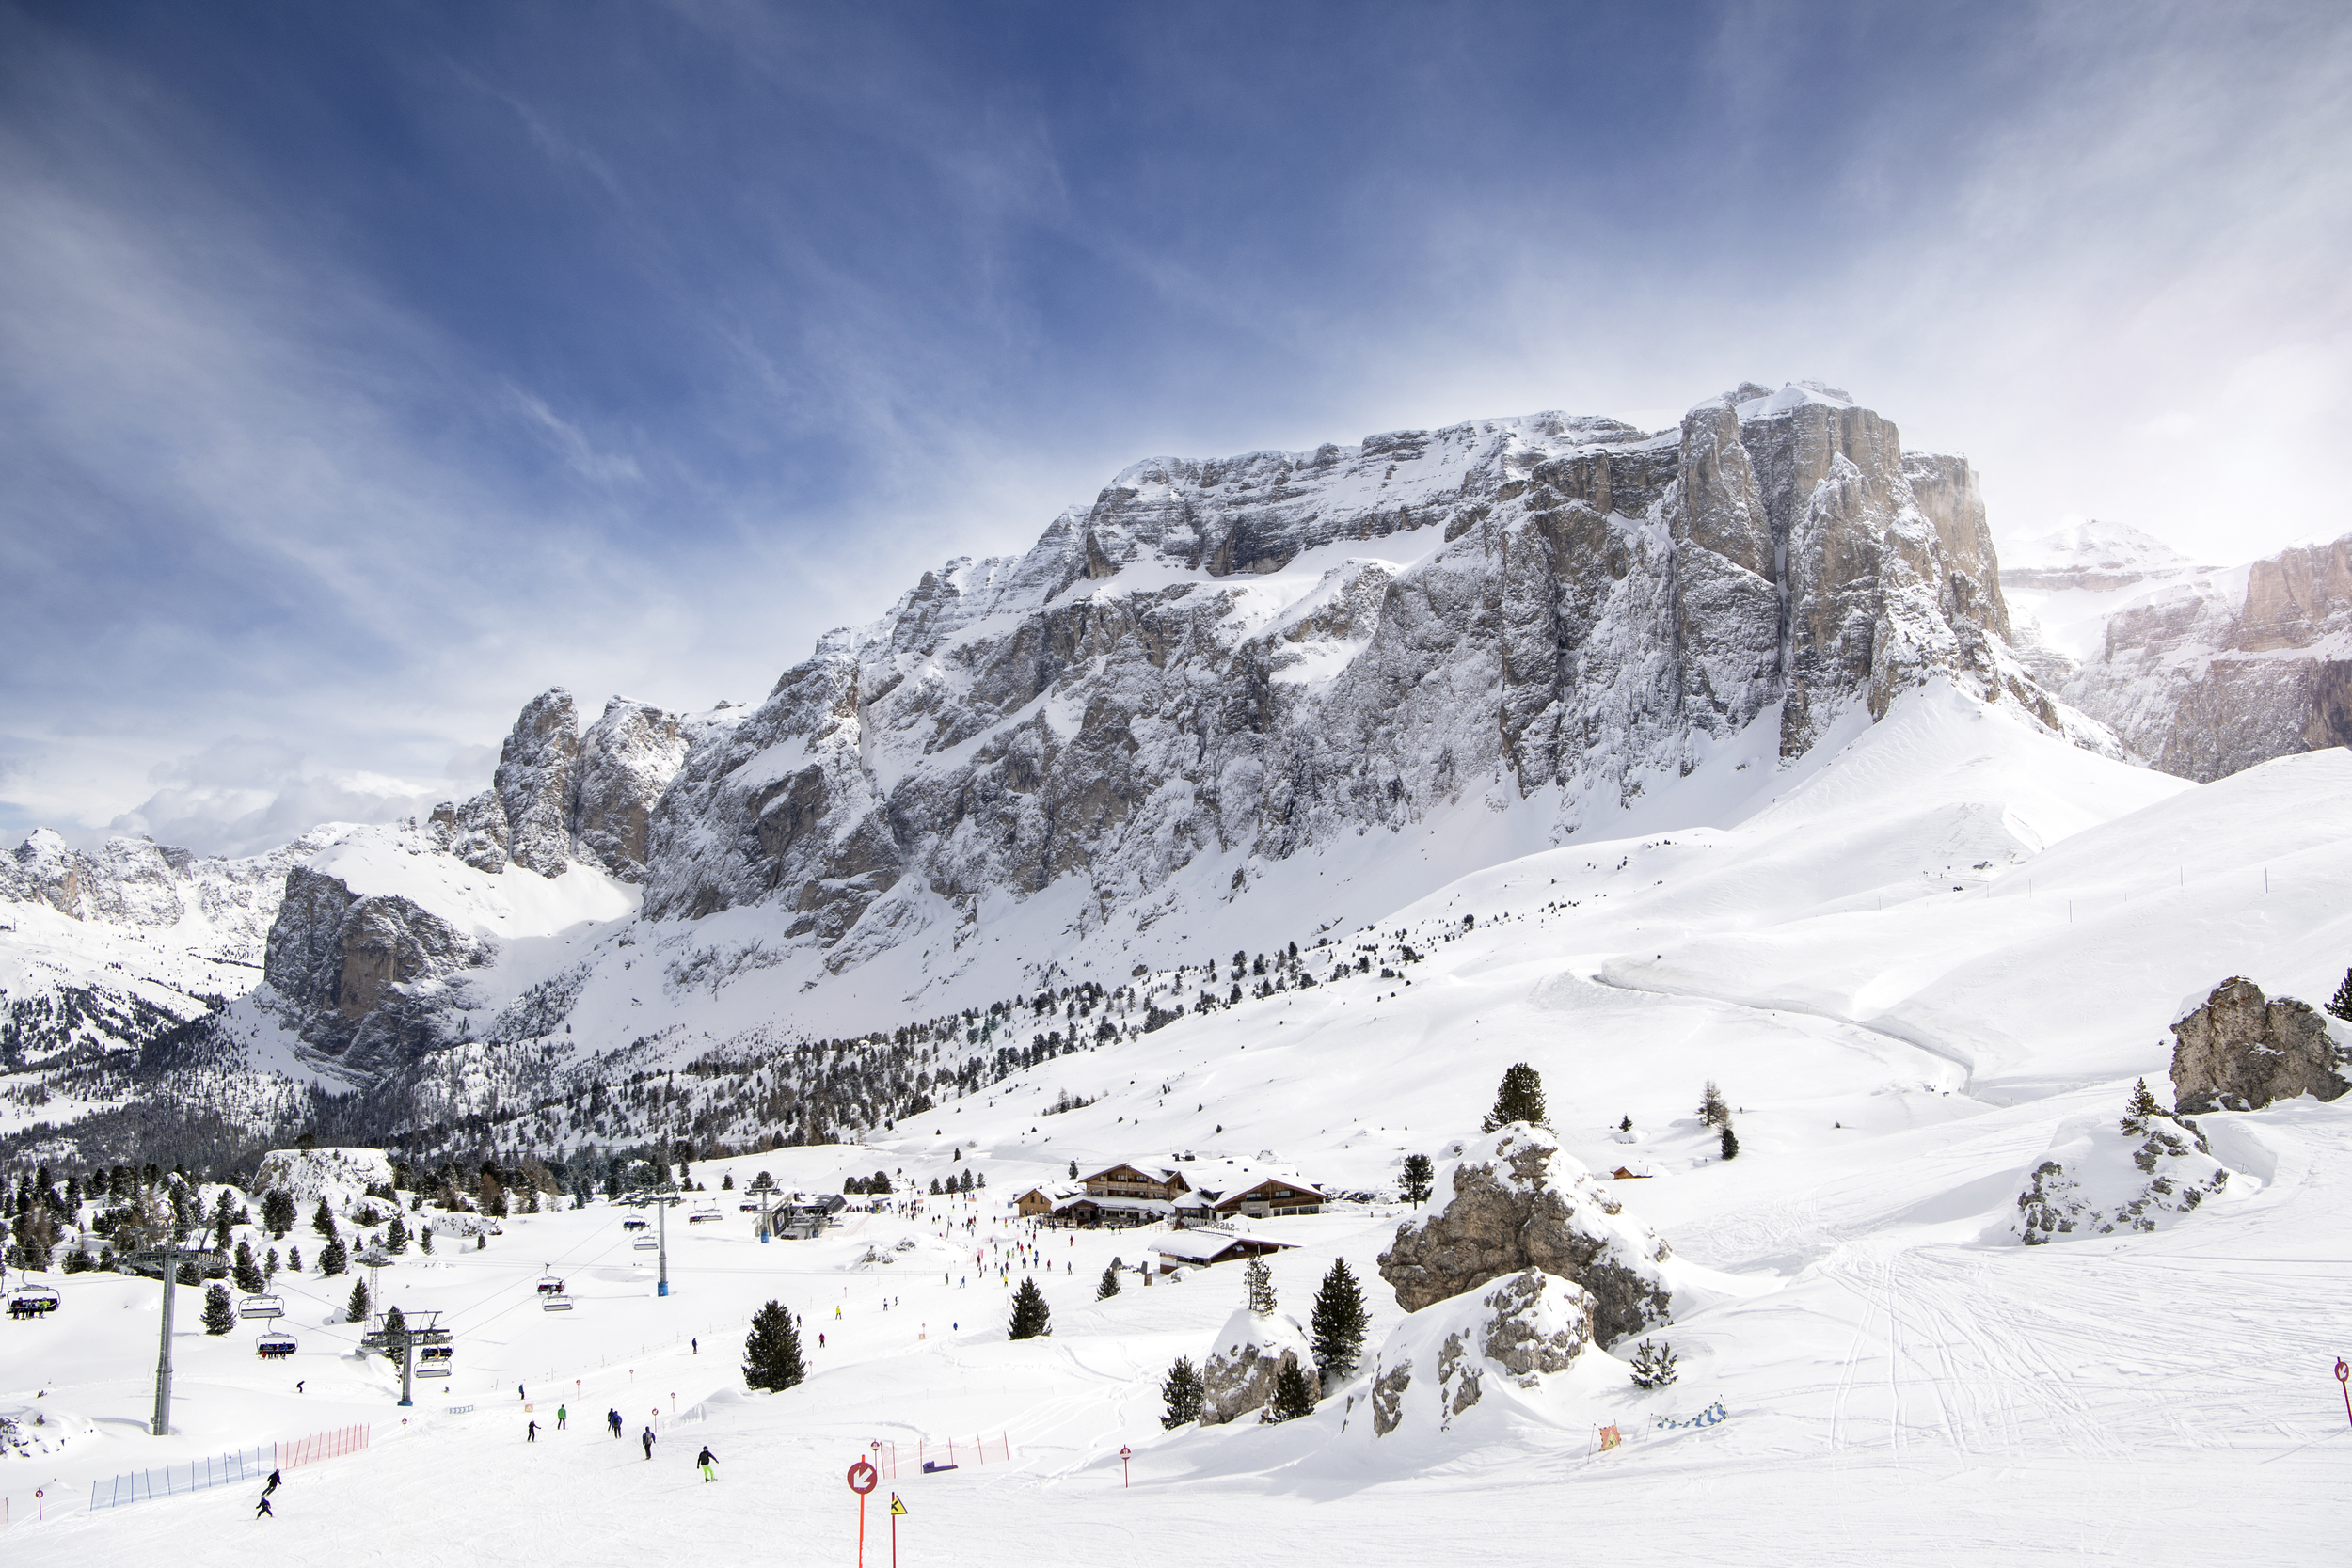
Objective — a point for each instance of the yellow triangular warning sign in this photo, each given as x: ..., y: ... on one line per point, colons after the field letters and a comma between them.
x: 896, y: 1505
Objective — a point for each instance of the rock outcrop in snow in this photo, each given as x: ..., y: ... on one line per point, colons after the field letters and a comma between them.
x: 561, y: 797
x: 1505, y: 1338
x: 1237, y: 1376
x: 341, y: 1176
x: 1521, y: 1203
x: 2102, y: 1176
x: 2240, y: 1052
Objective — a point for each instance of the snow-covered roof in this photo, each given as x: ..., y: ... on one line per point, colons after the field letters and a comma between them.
x: 1198, y: 1247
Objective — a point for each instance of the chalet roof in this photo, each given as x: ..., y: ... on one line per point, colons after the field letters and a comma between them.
x: 1200, y: 1246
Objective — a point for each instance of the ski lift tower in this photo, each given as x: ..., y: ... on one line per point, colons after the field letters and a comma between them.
x: 402, y: 1342
x: 662, y: 1198
x: 167, y: 1262
x: 376, y: 1259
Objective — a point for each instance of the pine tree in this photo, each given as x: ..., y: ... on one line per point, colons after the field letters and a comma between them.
x: 395, y: 1334
x: 1257, y: 1283
x: 771, y: 1353
x: 424, y: 1241
x: 2141, y: 1106
x: 248, y: 1274
x: 269, y: 1267
x: 1180, y: 1392
x: 358, y: 1311
x: 323, y: 1221
x: 1073, y: 1165
x: 219, y: 1316
x: 1731, y: 1143
x: 1031, y: 1318
x: 293, y: 1258
x: 1519, y: 1097
x: 1294, y: 1396
x: 1653, y: 1365
x: 1712, y: 1111
x: 278, y: 1213
x: 1420, y: 1174
x: 1109, y: 1287
x: 223, y: 1226
x: 2340, y: 1005
x: 1626, y: 1125
x: 396, y: 1236
x: 1338, y: 1322
x: 333, y: 1258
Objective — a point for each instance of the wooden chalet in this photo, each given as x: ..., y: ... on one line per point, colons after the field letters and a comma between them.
x: 1207, y: 1247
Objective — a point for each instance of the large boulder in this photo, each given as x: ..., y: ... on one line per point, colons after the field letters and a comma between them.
x: 1508, y: 1338
x: 1238, y: 1376
x: 1519, y: 1203
x: 2102, y: 1176
x: 2239, y: 1051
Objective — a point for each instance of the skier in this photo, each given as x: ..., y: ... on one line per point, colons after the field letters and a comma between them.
x: 262, y: 1508
x: 562, y: 1415
x: 706, y: 1459
x: 820, y: 1341
x: 273, y: 1484
x: 613, y: 1420
x: 519, y: 1392
x: 531, y: 1432
x: 299, y: 1382
x: 697, y: 1344
x: 648, y: 1440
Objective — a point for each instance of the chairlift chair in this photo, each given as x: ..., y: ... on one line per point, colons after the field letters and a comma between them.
x: 274, y: 1346
x: 633, y: 1225
x: 556, y: 1302
x: 32, y: 1301
x: 260, y: 1307
x: 645, y: 1244
x: 550, y: 1285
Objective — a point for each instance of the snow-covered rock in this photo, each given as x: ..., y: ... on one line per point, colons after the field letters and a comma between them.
x: 2103, y: 1175
x: 2238, y: 1051
x: 1238, y: 1374
x: 341, y: 1176
x: 1505, y: 1341
x: 1518, y: 1203
x: 561, y: 797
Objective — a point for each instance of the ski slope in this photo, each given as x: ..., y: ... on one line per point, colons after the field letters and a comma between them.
x: 1907, y: 966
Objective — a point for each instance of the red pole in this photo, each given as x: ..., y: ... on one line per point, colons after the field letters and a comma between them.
x: 860, y: 1530
x: 893, y: 1533
x: 2343, y: 1381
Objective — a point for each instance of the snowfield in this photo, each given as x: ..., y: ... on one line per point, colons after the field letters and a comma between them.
x: 1912, y: 963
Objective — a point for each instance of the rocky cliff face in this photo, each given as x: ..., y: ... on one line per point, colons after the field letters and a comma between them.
x: 561, y: 797
x: 2202, y: 672
x: 226, y: 904
x: 365, y: 973
x: 1255, y: 654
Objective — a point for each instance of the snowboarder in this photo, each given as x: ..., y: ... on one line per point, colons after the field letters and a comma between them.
x: 519, y: 1392
x: 562, y: 1415
x: 262, y: 1508
x: 706, y: 1459
x: 299, y: 1382
x: 648, y: 1440
x: 697, y: 1344
x: 273, y: 1484
x: 531, y: 1432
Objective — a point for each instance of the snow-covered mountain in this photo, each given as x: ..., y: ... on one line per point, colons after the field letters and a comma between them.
x: 1231, y: 705
x: 2201, y: 671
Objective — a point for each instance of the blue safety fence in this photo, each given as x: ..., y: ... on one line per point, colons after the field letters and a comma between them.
x: 1706, y: 1418
x: 172, y: 1480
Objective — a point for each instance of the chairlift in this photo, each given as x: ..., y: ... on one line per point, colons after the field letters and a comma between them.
x: 550, y: 1285
x: 557, y: 1302
x: 32, y: 1301
x: 645, y: 1244
x: 633, y: 1225
x: 274, y: 1346
x: 260, y: 1307
x: 701, y: 1215
x: 437, y: 1352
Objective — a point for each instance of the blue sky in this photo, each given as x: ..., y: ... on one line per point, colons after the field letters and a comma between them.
x: 366, y: 368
